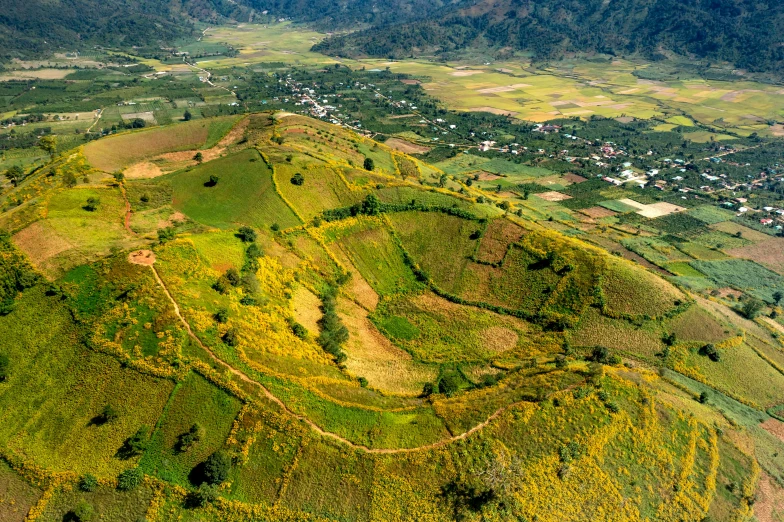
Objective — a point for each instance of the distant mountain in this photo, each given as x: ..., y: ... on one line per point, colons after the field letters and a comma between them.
x: 747, y: 33
x: 36, y: 27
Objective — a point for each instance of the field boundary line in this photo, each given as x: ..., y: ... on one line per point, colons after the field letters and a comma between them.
x: 315, y: 427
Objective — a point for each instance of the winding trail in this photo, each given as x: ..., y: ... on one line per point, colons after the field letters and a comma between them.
x: 315, y: 427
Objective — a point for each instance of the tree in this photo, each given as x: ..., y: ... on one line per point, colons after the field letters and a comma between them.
x: 222, y: 315
x: 108, y: 414
x: 231, y: 337
x: 369, y: 164
x: 247, y: 234
x: 212, y: 181
x: 703, y: 397
x: 48, y: 144
x: 233, y: 276
x: 130, y: 479
x: 199, y: 157
x: 778, y: 295
x: 217, y: 467
x: 165, y: 234
x: 83, y: 512
x: 751, y: 307
x: 206, y: 494
x: 371, y: 205
x: 186, y: 440
x: 298, y: 179
x: 14, y: 174
x: 449, y: 384
x: 137, y: 443
x: 88, y: 482
x: 187, y: 115
x: 92, y: 204
x: 710, y: 351
x: 595, y: 372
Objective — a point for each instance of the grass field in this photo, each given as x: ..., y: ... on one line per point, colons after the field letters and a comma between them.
x: 323, y: 189
x: 57, y: 388
x: 742, y: 274
x: 16, y: 495
x: 378, y: 259
x: 244, y: 194
x: 630, y: 290
x: 196, y: 401
x: 435, y: 330
x: 116, y: 152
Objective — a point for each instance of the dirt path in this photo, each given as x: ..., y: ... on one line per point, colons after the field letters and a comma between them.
x: 242, y: 376
x: 127, y: 219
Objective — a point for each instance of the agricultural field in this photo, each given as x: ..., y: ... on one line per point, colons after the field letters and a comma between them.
x: 123, y: 150
x: 278, y: 324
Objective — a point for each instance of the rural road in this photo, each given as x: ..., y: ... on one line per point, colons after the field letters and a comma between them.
x: 244, y: 377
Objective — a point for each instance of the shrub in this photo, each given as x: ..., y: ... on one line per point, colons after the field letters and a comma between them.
x: 247, y: 234
x: 222, y: 315
x: 166, y: 234
x: 231, y: 337
x: 369, y: 164
x: 297, y: 179
x: 217, y: 467
x: 299, y: 330
x: 186, y: 440
x: 88, y: 482
x: 83, y: 512
x: 710, y: 351
x: 130, y: 479
x: 428, y: 389
x: 206, y: 494
x: 92, y: 204
x: 137, y: 443
x: 751, y: 307
x: 600, y: 354
x: 109, y: 414
x: 232, y: 276
x: 703, y: 398
x: 449, y: 384
x: 275, y: 227
x: 212, y: 181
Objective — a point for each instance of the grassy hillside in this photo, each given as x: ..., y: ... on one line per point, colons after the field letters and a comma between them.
x: 286, y: 341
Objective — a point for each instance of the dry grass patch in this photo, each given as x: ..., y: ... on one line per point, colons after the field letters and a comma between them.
x: 597, y: 212
x: 406, y: 146
x: 496, y: 239
x: 732, y: 228
x: 374, y: 357
x: 142, y: 257
x: 307, y: 309
x: 768, y: 252
x: 40, y: 242
x: 553, y: 196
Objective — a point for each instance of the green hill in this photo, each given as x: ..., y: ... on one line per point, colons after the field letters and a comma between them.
x: 267, y: 336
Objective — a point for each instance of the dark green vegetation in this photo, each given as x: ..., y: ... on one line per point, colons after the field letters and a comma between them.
x: 717, y: 30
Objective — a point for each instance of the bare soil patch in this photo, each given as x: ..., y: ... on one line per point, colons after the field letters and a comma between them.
x: 143, y: 170
x: 142, y: 257
x: 573, y: 178
x: 505, y: 88
x: 597, y: 212
x: 769, y: 504
x: 40, y: 242
x: 406, y: 146
x: 774, y: 427
x: 488, y: 176
x: 499, y: 338
x: 769, y: 252
x: 466, y: 73
x: 553, y: 196
x: 496, y: 239
x: 493, y: 110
